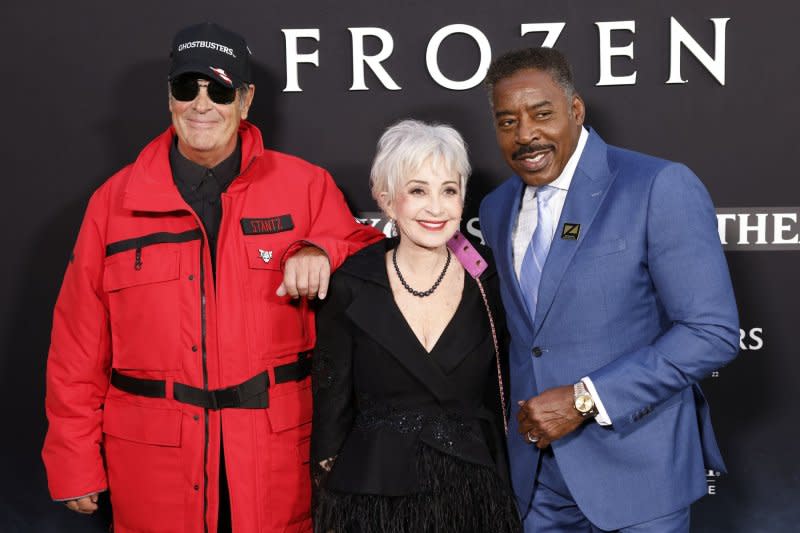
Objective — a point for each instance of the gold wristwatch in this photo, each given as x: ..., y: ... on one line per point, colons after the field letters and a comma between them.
x: 584, y: 403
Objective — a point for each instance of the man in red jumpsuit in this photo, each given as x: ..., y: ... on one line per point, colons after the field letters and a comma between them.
x: 178, y: 373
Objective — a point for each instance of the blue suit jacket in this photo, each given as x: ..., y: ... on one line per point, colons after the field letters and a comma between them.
x: 641, y: 303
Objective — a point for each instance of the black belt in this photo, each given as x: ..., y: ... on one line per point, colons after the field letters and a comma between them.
x: 251, y: 394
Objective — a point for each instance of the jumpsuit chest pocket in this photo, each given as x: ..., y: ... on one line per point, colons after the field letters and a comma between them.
x: 144, y: 299
x: 278, y: 322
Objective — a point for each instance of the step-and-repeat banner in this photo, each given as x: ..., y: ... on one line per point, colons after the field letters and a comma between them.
x: 711, y: 84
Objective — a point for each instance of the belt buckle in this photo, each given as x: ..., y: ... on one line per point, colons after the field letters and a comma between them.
x: 225, y: 398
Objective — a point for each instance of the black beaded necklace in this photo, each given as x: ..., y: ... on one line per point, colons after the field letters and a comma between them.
x: 420, y: 294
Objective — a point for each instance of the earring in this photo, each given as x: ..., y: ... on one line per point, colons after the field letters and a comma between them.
x: 394, y: 228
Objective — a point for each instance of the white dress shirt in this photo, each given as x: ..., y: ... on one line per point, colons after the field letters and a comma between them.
x: 526, y: 224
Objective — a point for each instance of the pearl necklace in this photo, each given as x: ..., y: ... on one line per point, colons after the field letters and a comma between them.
x: 420, y: 294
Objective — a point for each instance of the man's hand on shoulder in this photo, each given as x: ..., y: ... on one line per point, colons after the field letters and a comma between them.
x: 549, y: 416
x: 306, y: 274
x: 84, y: 505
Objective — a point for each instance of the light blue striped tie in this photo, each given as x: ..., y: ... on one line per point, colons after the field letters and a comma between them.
x: 536, y: 253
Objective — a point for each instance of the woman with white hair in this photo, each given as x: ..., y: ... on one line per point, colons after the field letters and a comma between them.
x: 408, y: 401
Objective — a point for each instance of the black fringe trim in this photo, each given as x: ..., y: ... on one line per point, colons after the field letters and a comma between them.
x: 456, y: 497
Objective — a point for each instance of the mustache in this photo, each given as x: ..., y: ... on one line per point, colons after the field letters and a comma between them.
x: 522, y: 151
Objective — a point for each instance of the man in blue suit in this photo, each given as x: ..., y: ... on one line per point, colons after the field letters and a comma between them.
x: 619, y: 301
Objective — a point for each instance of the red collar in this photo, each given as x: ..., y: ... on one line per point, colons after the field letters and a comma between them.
x: 151, y: 187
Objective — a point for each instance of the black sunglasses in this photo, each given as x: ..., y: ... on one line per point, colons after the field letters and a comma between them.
x: 186, y: 87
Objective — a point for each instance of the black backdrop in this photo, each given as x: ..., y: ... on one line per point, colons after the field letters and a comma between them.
x: 83, y: 89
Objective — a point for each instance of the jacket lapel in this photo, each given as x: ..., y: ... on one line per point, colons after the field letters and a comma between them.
x: 458, y: 343
x: 374, y: 311
x: 389, y: 329
x: 586, y: 193
x: 506, y: 215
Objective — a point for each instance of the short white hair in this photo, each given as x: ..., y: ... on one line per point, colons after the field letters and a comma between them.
x: 406, y: 146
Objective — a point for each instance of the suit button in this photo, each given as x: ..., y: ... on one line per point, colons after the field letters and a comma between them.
x: 536, y: 351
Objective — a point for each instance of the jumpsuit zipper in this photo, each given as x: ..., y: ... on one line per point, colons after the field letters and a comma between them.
x: 205, y: 365
x: 203, y: 351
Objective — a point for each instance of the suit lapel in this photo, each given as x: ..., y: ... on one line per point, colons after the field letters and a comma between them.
x: 586, y: 193
x: 507, y: 213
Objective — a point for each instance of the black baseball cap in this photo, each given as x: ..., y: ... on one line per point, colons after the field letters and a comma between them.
x: 213, y: 51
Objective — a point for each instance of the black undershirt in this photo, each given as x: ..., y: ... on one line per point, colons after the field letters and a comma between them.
x: 202, y: 188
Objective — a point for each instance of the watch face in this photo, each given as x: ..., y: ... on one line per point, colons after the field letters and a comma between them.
x: 584, y: 403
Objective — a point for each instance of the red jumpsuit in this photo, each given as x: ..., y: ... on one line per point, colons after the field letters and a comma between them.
x: 139, y: 297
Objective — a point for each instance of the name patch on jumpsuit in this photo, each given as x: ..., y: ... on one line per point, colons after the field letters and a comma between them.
x: 261, y: 226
